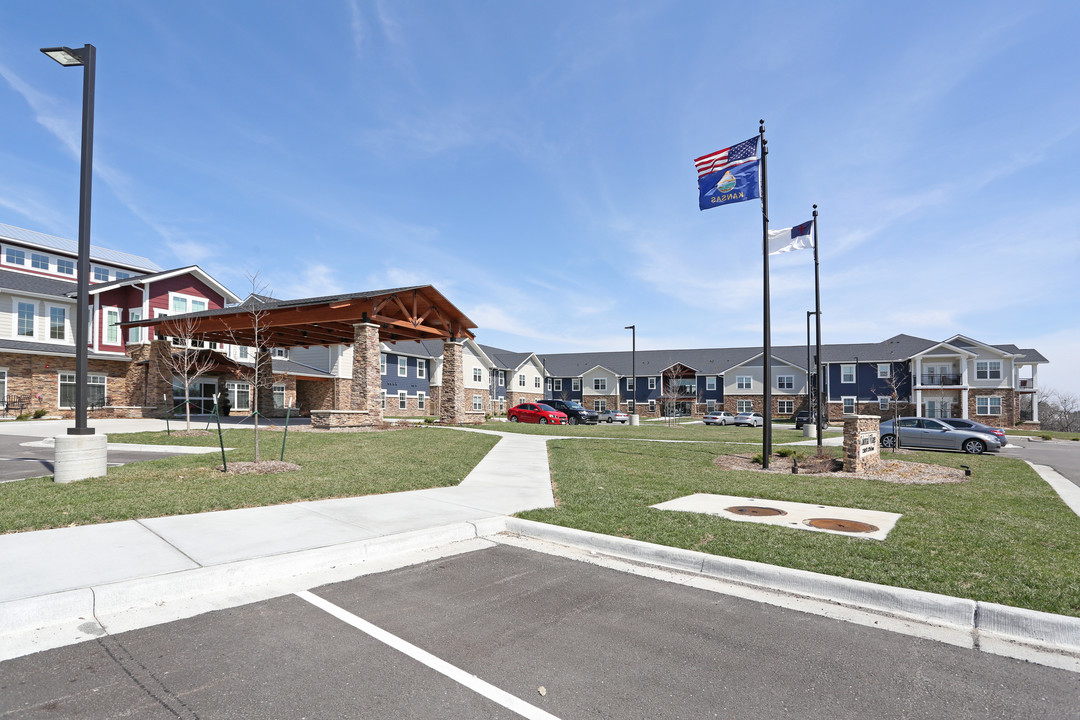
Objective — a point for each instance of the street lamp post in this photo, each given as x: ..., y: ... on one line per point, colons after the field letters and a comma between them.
x: 82, y: 457
x: 633, y: 370
x: 810, y: 374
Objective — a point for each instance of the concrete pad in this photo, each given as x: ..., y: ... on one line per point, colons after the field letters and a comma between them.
x: 796, y: 515
x: 51, y: 561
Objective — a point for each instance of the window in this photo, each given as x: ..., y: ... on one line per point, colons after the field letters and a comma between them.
x: 101, y: 274
x: 710, y: 382
x: 279, y: 395
x: 65, y: 267
x: 382, y: 363
x: 521, y: 380
x: 280, y: 353
x: 988, y: 370
x: 575, y: 384
x: 710, y: 405
x: 652, y: 383
x: 599, y: 384
x: 57, y: 323
x: 652, y: 404
x: 421, y: 369
x: 25, y: 312
x: 242, y: 352
x: 557, y: 384
x: 600, y: 405
x: 536, y: 382
x: 882, y: 401
x: 3, y: 383
x: 478, y: 402
x: 477, y: 374
x: 95, y: 390
x: 847, y: 373
x: 402, y: 400
x: 383, y: 399
x: 112, y: 332
x: 987, y: 406
x: 849, y: 405
x: 629, y: 383
x: 240, y: 395
x: 744, y: 382
x: 41, y: 262
x: 502, y: 378
x: 785, y: 382
x: 135, y: 334
x: 402, y: 366
x: 744, y: 406
x: 122, y: 275
x: 884, y: 370
x: 549, y: 385
x: 421, y: 401
x: 785, y: 407
x: 15, y: 256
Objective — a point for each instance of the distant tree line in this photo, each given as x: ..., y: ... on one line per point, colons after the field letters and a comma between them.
x: 1059, y: 410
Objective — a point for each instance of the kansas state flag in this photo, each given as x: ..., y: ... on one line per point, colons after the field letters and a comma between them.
x: 729, y: 175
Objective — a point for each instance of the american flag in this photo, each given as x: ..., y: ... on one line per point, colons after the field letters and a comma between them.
x: 717, y: 161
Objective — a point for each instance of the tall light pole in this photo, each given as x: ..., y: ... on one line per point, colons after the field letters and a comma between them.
x: 71, y: 58
x: 633, y: 367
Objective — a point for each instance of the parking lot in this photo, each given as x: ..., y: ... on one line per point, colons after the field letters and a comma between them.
x: 508, y: 632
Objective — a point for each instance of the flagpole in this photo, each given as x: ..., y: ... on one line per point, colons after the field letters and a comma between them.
x: 766, y: 431
x: 822, y: 404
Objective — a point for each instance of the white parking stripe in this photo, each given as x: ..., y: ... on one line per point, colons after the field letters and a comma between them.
x: 508, y: 701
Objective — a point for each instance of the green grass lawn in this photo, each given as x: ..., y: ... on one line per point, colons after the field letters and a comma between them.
x: 1002, y: 537
x: 1056, y: 434
x: 334, y: 465
x: 653, y: 431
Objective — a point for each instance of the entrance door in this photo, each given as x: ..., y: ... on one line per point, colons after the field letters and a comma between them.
x: 203, y: 395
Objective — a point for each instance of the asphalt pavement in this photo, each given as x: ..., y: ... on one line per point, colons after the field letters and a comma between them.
x: 1062, y: 455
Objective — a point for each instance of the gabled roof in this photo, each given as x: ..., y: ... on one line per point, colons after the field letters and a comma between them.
x: 506, y: 359
x: 165, y: 275
x: 71, y: 248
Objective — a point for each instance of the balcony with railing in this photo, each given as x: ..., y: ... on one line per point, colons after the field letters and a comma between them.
x: 1027, y: 385
x: 941, y: 379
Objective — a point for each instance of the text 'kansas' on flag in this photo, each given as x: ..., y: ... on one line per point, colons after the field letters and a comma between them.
x: 729, y: 175
x: 792, y: 238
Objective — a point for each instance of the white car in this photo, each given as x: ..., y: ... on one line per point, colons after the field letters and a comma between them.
x: 750, y: 419
x: 719, y: 417
x: 610, y: 416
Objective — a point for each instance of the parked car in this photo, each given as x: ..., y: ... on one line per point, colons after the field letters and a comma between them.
x: 536, y: 413
x: 803, y: 417
x: 719, y: 417
x: 610, y: 416
x: 575, y: 412
x: 934, y: 434
x: 997, y: 432
x: 750, y: 419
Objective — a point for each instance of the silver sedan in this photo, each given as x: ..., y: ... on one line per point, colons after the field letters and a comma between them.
x: 934, y: 434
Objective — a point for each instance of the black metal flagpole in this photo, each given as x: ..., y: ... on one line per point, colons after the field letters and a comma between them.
x: 766, y: 431
x: 822, y: 404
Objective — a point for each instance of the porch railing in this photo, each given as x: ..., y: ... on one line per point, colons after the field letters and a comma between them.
x: 941, y: 379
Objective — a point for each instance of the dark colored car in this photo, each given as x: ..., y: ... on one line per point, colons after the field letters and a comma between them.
x: 536, y: 413
x: 575, y: 412
x: 803, y: 417
x: 997, y: 432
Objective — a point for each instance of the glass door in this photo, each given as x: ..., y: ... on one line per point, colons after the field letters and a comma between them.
x: 202, y: 396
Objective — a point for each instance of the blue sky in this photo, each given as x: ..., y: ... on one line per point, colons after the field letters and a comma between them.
x: 534, y: 161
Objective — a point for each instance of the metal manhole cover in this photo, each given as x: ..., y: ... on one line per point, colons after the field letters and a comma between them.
x: 851, y: 526
x: 755, y: 510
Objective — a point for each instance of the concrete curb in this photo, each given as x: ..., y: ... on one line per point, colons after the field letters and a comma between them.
x: 1066, y: 490
x: 1044, y: 638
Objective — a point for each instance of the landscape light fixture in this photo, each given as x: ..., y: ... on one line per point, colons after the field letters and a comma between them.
x: 70, y: 58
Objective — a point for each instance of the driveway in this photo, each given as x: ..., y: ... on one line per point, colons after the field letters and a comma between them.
x: 1062, y: 455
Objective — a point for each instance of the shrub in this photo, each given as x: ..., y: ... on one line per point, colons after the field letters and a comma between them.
x: 785, y: 452
x: 23, y: 416
x: 757, y: 459
x: 1047, y: 437
x: 40, y: 413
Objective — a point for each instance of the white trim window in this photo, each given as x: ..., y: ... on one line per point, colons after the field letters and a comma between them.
x: 521, y: 379
x: 710, y: 405
x: 111, y: 317
x: 652, y: 383
x: 95, y: 390
x: 744, y: 382
x: 57, y: 323
x: 710, y: 382
x: 101, y: 274
x: 742, y: 406
x: 15, y: 256
x: 549, y: 384
x: 785, y: 382
x: 629, y: 383
x: 849, y: 404
x: 652, y: 404
x: 785, y: 407
x: 536, y: 382
x: 575, y: 385
x: 477, y: 375
x: 502, y: 378
x: 988, y: 370
x: 988, y: 405
x: 135, y: 334
x: 600, y: 405
x: 39, y: 261
x: 478, y: 402
x: 383, y: 399
x: 884, y: 370
x: 402, y: 367
x: 599, y: 384
x: 556, y: 384
x: 382, y: 363
x: 3, y: 382
x: 421, y: 400
x: 239, y: 395
x: 279, y: 395
x: 847, y: 374
x: 421, y: 369
x: 65, y: 266
x: 25, y: 319
x: 181, y: 303
x: 402, y: 400
x: 883, y: 401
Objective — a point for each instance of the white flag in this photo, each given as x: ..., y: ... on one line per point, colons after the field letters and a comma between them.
x: 792, y: 238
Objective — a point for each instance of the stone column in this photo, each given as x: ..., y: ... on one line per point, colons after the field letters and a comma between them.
x: 452, y: 394
x: 862, y: 436
x: 366, y: 391
x: 150, y: 382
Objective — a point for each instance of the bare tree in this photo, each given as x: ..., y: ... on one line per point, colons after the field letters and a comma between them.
x: 187, y: 363
x: 255, y: 334
x: 1059, y: 410
x: 895, y: 385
